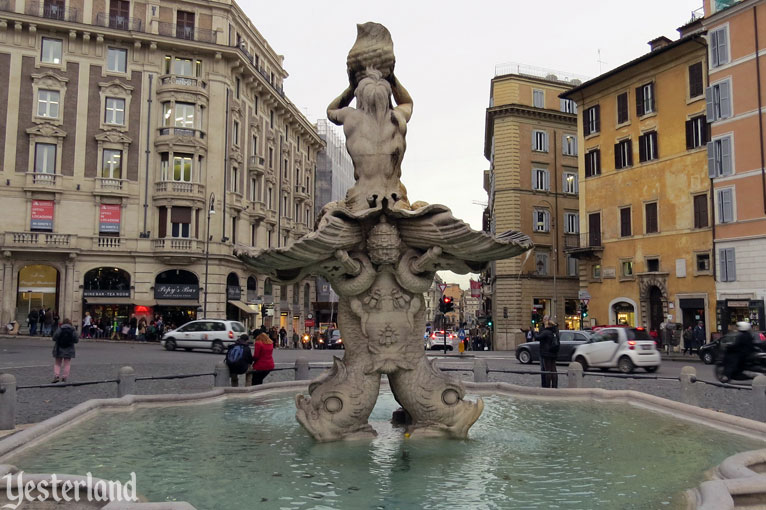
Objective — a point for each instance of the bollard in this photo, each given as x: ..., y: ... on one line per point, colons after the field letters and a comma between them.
x: 302, y: 369
x: 688, y: 389
x: 575, y: 375
x: 7, y: 402
x: 126, y: 382
x: 759, y: 397
x: 222, y: 378
x: 480, y: 370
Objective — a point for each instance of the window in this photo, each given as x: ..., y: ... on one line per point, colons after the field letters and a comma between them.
x: 185, y: 25
x: 180, y: 221
x: 594, y: 229
x: 645, y: 99
x: 703, y: 262
x: 596, y: 271
x: 572, y: 269
x: 235, y: 133
x: 233, y: 230
x: 647, y: 147
x: 237, y: 87
x: 271, y: 157
x: 725, y: 199
x: 271, y: 119
x: 728, y: 267
x: 117, y: 60
x: 718, y: 99
x: 570, y: 183
x: 234, y: 179
x: 184, y: 115
x: 696, y: 84
x: 51, y: 51
x: 111, y: 167
x: 183, y: 66
x: 539, y: 141
x: 541, y: 264
x: 541, y: 220
x: 623, y: 154
x: 571, y: 223
x: 569, y: 145
x: 254, y: 147
x: 568, y: 106
x: 48, y: 103
x: 719, y: 47
x: 700, y: 211
x: 697, y: 133
x: 627, y: 268
x: 626, y: 228
x: 540, y: 179
x: 593, y: 163
x: 270, y: 198
x: 180, y: 229
x: 650, y: 214
x: 592, y: 120
x: 254, y: 191
x: 45, y: 158
x: 182, y: 167
x: 719, y: 157
x: 538, y: 98
x: 114, y: 113
x: 653, y: 265
x: 622, y: 108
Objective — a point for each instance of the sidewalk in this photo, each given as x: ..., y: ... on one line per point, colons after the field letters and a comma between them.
x: 677, y: 356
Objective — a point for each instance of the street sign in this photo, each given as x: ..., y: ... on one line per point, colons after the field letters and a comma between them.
x: 309, y: 323
x: 309, y: 315
x: 585, y: 301
x: 461, y: 334
x: 583, y: 294
x: 442, y: 287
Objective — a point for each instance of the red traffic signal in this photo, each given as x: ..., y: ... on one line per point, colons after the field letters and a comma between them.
x: 447, y: 300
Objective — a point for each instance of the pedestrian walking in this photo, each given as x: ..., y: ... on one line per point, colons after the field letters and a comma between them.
x: 263, y: 358
x: 282, y: 337
x: 133, y: 326
x: 699, y: 335
x: 47, y: 322
x: 296, y: 338
x: 41, y: 321
x: 64, y: 340
x: 549, y: 350
x: 87, y: 323
x: 32, y: 317
x: 688, y: 340
x: 274, y: 335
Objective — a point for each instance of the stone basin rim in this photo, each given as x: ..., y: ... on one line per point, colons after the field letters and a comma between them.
x: 734, y: 477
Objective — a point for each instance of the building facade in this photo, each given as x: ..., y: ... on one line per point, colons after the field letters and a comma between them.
x: 144, y: 144
x: 532, y: 184
x: 736, y: 156
x: 645, y: 202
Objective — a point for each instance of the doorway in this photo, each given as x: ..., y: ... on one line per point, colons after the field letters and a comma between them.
x: 656, y: 314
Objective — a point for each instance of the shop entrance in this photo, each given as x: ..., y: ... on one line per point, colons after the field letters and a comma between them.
x: 38, y: 287
x: 655, y: 308
x: 625, y: 313
x: 692, y: 311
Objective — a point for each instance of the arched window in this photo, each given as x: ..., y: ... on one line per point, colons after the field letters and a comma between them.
x: 107, y: 278
x: 252, y: 289
x: 267, y: 288
x: 233, y: 290
x: 178, y: 276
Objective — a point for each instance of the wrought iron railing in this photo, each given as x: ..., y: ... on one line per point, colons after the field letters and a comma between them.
x: 189, y: 33
x: 35, y: 8
x: 104, y: 19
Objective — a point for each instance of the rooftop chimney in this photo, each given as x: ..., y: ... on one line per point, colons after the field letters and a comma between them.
x: 659, y: 42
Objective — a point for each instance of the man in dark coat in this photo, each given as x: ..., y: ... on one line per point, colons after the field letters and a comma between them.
x: 549, y: 350
x: 32, y: 318
x: 699, y: 336
x: 63, y: 350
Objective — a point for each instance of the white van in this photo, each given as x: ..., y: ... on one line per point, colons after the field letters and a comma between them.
x: 212, y: 334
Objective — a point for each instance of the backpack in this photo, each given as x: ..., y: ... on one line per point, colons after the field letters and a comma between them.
x: 555, y: 343
x: 236, y: 360
x: 66, y: 338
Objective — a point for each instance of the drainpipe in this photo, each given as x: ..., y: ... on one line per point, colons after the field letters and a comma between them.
x: 145, y: 233
x: 279, y: 195
x: 760, y: 107
x: 225, y: 166
x: 556, y: 230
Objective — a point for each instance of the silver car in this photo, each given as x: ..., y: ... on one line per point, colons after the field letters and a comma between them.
x: 212, y: 334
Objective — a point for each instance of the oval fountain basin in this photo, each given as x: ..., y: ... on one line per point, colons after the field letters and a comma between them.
x: 250, y: 452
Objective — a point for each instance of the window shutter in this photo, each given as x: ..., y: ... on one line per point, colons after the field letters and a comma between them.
x: 163, y: 222
x: 731, y: 266
x: 574, y: 146
x: 727, y: 209
x: 547, y: 216
x: 725, y: 99
x: 639, y: 101
x: 714, y: 48
x: 598, y: 118
x: 651, y: 97
x: 630, y: 153
x: 723, y: 53
x: 689, y: 134
x: 534, y: 140
x: 547, y: 181
x: 655, y: 144
x: 597, y: 168
x: 534, y: 221
x: 726, y: 156
x: 564, y: 146
x: 710, y: 112
x: 562, y: 105
x: 711, y: 160
x: 617, y: 156
x: 586, y: 122
x: 545, y: 141
x: 642, y: 148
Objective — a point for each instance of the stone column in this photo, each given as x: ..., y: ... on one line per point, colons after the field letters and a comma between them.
x: 126, y: 382
x: 67, y: 304
x: 688, y: 389
x: 7, y: 402
x: 8, y: 290
x: 759, y: 397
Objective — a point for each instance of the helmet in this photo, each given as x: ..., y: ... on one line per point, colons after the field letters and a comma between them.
x: 744, y: 326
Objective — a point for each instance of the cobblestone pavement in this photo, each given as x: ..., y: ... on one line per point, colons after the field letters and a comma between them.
x: 29, y: 359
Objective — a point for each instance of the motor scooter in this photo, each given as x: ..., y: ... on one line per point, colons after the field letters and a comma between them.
x: 754, y: 363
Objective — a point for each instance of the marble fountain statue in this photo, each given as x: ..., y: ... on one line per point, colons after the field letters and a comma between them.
x: 380, y: 253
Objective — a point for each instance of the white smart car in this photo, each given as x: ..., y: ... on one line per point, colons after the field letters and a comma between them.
x: 619, y: 347
x: 212, y: 334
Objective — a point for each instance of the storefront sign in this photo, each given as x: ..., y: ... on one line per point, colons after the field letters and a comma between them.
x: 176, y: 291
x: 609, y: 272
x: 310, y: 323
x: 737, y: 304
x: 233, y: 292
x: 38, y: 278
x: 105, y: 293
x: 109, y: 218
x: 42, y: 215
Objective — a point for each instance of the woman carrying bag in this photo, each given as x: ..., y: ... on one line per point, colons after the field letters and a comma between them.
x: 263, y: 358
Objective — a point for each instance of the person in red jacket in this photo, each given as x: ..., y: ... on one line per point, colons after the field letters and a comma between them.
x: 263, y: 356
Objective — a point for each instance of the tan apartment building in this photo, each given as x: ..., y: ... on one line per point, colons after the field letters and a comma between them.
x: 531, y: 144
x: 646, y: 235
x: 735, y: 109
x: 143, y: 143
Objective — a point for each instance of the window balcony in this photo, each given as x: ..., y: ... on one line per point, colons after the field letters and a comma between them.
x: 39, y: 240
x: 256, y: 164
x: 287, y: 223
x: 258, y: 210
x: 55, y: 12
x: 109, y: 243
x: 182, y: 132
x: 43, y: 181
x: 301, y: 193
x: 271, y: 216
x: 301, y: 229
x: 107, y: 185
x: 186, y: 32
x: 104, y: 19
x: 171, y: 244
x: 179, y: 190
x: 177, y: 83
x: 586, y: 245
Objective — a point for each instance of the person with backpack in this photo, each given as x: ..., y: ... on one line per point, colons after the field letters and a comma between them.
x: 63, y: 350
x: 32, y: 320
x: 549, y: 351
x: 238, y: 358
x: 263, y: 356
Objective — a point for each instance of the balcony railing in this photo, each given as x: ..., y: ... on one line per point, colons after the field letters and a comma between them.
x: 186, y: 32
x: 104, y: 19
x: 583, y: 240
x: 256, y: 163
x: 109, y: 184
x: 56, y: 12
x: 190, y: 188
x: 48, y: 239
x: 182, y: 131
x: 43, y: 180
x: 186, y: 81
x: 177, y: 244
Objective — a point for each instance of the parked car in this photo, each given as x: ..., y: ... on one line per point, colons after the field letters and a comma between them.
x: 212, y: 334
x: 436, y: 341
x: 623, y: 348
x: 529, y: 352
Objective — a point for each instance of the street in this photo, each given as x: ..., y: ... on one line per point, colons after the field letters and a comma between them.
x: 29, y: 359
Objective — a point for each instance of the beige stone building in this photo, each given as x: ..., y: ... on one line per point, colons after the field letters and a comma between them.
x: 133, y: 133
x: 532, y: 183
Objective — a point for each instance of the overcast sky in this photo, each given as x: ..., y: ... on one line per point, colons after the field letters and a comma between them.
x: 446, y: 55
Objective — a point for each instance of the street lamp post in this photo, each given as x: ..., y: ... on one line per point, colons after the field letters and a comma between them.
x: 210, y: 212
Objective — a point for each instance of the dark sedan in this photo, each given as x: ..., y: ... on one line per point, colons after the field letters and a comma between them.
x: 711, y: 351
x: 529, y: 352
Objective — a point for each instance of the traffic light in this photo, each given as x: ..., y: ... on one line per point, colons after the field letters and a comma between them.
x: 448, y: 304
x: 584, y: 310
x: 535, y: 317
x: 489, y: 322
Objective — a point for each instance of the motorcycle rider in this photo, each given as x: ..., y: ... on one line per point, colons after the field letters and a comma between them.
x: 737, y: 354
